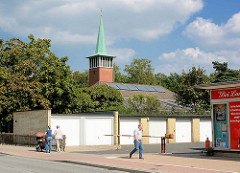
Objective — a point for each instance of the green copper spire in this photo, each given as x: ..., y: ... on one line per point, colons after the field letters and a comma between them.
x: 101, y: 45
x: 101, y: 49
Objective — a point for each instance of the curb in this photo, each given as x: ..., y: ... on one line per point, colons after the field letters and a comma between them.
x: 110, y: 167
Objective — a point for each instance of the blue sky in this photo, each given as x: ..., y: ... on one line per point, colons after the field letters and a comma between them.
x: 174, y: 34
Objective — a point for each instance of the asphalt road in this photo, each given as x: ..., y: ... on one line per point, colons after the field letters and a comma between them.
x: 14, y: 164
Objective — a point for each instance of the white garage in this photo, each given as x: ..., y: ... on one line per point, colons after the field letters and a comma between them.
x: 205, y: 130
x: 96, y: 128
x: 157, y: 127
x: 183, y: 130
x: 85, y: 130
x: 70, y: 127
x: 127, y: 126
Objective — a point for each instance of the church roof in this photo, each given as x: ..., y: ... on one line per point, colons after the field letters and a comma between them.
x: 101, y: 49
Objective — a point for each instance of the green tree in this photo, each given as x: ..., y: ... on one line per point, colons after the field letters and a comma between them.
x: 19, y: 89
x: 118, y: 76
x: 190, y: 96
x: 82, y: 101
x: 152, y: 105
x: 82, y: 79
x: 143, y: 104
x: 140, y: 71
x: 223, y: 73
x: 20, y: 92
x: 137, y: 103
x: 53, y: 74
x: 35, y: 64
x: 171, y: 82
x: 104, y: 98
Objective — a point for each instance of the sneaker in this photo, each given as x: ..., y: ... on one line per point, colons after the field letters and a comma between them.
x: 141, y: 158
x: 130, y: 156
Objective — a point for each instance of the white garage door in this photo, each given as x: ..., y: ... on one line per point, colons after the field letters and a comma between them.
x: 157, y: 127
x: 96, y: 128
x: 183, y: 130
x: 127, y: 126
x: 70, y: 127
x: 205, y: 130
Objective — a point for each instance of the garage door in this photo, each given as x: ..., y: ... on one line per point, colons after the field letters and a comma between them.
x: 70, y: 127
x: 96, y: 128
x: 127, y: 126
x: 183, y: 130
x: 205, y: 130
x: 157, y: 127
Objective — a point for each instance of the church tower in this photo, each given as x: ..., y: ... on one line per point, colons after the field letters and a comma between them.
x: 100, y: 63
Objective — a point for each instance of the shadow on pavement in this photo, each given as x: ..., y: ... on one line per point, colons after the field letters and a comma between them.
x: 187, y: 150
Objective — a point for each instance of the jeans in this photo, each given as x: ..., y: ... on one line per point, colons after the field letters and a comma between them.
x: 49, y: 144
x: 138, y: 145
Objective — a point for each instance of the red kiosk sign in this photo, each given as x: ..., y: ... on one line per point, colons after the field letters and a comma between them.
x: 226, y: 94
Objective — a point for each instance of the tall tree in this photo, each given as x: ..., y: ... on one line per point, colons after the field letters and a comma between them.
x: 190, y: 96
x: 118, y: 76
x: 171, y: 82
x: 41, y: 70
x: 19, y: 89
x: 53, y: 74
x: 140, y: 71
x: 223, y: 73
x: 82, y: 79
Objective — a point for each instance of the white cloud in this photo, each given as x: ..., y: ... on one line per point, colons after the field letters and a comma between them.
x: 124, y: 55
x: 212, y: 36
x: 184, y: 60
x: 75, y: 21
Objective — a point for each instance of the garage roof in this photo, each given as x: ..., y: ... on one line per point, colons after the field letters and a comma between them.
x: 219, y: 85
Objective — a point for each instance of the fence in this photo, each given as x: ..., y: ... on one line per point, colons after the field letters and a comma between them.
x: 24, y: 139
x: 18, y: 139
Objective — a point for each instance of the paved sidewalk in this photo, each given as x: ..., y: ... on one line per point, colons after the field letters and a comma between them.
x: 109, y: 157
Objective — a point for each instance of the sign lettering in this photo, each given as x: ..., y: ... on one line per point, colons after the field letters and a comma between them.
x: 225, y: 94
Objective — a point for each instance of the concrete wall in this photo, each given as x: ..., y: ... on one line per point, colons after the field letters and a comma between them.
x: 30, y: 122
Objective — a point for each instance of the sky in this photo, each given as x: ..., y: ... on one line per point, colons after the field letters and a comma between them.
x: 174, y: 34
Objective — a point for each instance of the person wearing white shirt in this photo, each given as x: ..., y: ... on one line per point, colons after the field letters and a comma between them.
x: 58, y: 137
x: 137, y: 142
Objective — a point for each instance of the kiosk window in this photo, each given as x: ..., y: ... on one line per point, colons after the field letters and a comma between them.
x: 220, y: 125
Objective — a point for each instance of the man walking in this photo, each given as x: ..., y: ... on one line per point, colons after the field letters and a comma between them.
x: 137, y: 142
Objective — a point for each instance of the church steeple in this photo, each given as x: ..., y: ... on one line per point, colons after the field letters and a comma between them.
x: 100, y: 63
x: 101, y: 45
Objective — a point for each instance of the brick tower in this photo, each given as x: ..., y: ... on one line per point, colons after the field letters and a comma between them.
x: 100, y: 63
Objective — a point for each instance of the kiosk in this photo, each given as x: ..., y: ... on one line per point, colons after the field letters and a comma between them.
x: 225, y: 105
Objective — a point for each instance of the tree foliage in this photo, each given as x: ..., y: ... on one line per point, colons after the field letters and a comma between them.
x: 118, y: 76
x: 223, y: 73
x: 143, y: 104
x: 140, y: 71
x: 171, y: 82
x: 190, y: 96
x: 81, y: 79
